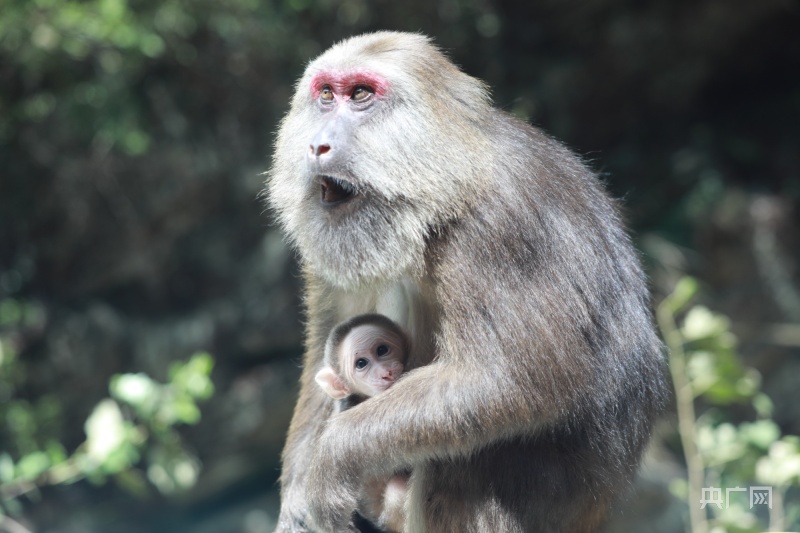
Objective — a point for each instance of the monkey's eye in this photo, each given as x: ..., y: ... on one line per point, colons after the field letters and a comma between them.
x: 382, y: 350
x: 361, y: 93
x: 326, y: 94
x: 361, y: 363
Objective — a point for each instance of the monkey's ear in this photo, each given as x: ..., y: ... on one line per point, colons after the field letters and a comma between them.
x: 331, y: 384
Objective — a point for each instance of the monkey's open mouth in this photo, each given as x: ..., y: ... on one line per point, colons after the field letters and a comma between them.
x: 335, y: 190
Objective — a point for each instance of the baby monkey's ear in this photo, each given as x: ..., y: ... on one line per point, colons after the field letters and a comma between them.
x: 331, y: 384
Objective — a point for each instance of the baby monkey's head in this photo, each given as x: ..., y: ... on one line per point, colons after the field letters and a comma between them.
x: 364, y: 356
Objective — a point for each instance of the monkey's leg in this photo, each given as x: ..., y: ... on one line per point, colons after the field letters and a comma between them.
x: 510, y: 488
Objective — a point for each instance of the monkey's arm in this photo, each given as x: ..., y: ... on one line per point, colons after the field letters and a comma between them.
x: 309, y: 416
x: 311, y: 412
x: 433, y: 413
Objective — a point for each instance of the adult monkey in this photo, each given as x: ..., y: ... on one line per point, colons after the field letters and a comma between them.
x: 535, y: 370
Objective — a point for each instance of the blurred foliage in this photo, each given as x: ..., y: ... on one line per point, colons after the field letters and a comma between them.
x: 131, y: 437
x: 732, y: 455
x: 82, y: 64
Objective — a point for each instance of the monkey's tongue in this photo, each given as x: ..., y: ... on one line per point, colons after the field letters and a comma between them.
x: 333, y: 190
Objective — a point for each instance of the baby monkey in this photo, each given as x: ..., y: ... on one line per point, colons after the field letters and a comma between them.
x: 364, y: 356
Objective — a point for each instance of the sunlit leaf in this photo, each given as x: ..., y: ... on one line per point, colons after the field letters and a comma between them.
x: 701, y: 323
x: 121, y: 458
x: 761, y: 433
x: 702, y: 371
x: 781, y: 466
x: 135, y: 389
x: 193, y: 377
x: 105, y: 431
x: 185, y: 472
x: 159, y: 477
x: 186, y: 411
x: 720, y: 444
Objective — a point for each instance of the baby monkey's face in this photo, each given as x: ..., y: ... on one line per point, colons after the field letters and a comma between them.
x: 372, y: 358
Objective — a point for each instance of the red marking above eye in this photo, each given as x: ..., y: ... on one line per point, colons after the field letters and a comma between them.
x: 343, y: 82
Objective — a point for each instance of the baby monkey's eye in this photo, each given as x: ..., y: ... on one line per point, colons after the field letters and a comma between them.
x: 382, y: 350
x: 361, y: 363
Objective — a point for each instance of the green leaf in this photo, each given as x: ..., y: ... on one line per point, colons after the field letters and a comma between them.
x: 32, y: 465
x: 761, y: 433
x: 193, y: 377
x: 10, y: 312
x: 6, y: 468
x: 781, y: 466
x: 681, y: 295
x: 136, y: 142
x: 186, y: 411
x: 112, y: 9
x: 121, y: 458
x: 20, y: 418
x: 701, y: 323
x: 105, y: 431
x: 720, y: 444
x: 56, y: 452
x: 137, y: 390
x: 763, y: 405
x: 151, y: 45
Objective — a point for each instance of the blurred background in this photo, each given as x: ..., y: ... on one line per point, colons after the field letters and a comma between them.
x: 150, y: 313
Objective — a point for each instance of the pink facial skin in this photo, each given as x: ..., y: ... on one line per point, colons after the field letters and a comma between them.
x: 380, y: 371
x: 382, y: 355
x: 342, y: 83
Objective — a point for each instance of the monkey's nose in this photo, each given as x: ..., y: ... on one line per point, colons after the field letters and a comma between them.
x: 316, y: 150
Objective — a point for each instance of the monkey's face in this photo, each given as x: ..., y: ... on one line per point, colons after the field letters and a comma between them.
x: 371, y: 157
x: 371, y: 359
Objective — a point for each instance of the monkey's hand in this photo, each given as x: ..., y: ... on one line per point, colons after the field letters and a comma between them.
x: 293, y: 517
x: 290, y: 522
x: 332, y: 483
